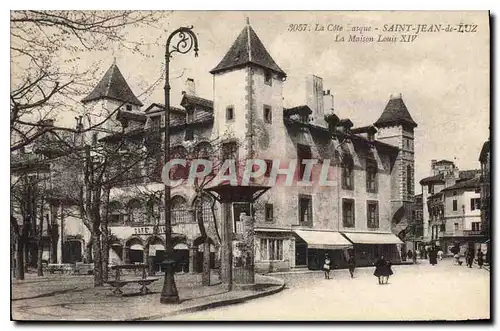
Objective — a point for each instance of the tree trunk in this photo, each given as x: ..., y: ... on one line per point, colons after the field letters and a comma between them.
x: 96, y: 250
x: 88, y: 251
x: 205, y: 278
x: 105, y: 237
x: 39, y: 265
x: 105, y: 253
x: 20, y: 260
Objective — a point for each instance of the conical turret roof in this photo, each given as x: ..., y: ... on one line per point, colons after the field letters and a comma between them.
x: 246, y: 49
x: 113, y: 86
x: 395, y: 112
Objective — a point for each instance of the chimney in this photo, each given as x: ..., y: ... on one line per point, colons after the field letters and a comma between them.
x: 328, y: 102
x: 314, y: 99
x: 396, y: 96
x: 190, y: 86
x: 433, y: 167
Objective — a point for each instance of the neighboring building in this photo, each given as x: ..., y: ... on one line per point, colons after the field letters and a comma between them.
x: 451, y: 206
x: 485, y: 159
x: 371, y: 170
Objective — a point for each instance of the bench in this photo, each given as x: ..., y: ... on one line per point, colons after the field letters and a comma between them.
x: 84, y: 268
x: 62, y: 268
x: 144, y: 281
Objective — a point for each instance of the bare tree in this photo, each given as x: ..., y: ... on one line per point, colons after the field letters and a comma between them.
x: 45, y: 47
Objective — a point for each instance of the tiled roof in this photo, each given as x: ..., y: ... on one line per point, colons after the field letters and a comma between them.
x: 196, y: 101
x: 364, y: 129
x: 439, y: 178
x: 113, y: 86
x: 161, y: 107
x: 247, y: 48
x: 395, y: 112
x: 484, y: 151
x: 444, y: 162
x: 473, y: 183
x: 128, y: 115
x: 297, y: 110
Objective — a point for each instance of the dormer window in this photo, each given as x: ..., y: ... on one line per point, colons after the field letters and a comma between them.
x: 128, y: 107
x: 268, y: 78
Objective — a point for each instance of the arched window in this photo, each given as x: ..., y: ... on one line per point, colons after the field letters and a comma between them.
x: 206, y: 208
x: 409, y: 186
x: 134, y: 211
x: 153, y: 207
x: 178, y: 171
x: 180, y: 211
x: 115, y: 215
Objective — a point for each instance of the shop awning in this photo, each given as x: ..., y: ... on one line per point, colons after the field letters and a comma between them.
x: 136, y: 247
x: 181, y: 247
x: 372, y: 238
x: 323, y: 239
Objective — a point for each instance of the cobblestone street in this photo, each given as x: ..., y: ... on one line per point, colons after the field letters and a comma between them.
x: 414, y: 292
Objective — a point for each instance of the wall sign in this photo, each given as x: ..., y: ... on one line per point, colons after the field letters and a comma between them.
x: 149, y: 230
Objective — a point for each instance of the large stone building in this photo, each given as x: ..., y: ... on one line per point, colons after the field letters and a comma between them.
x: 370, y: 168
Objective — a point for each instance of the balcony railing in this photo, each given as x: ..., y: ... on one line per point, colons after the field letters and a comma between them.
x: 470, y: 233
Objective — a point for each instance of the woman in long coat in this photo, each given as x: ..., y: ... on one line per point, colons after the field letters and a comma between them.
x: 433, y: 256
x: 382, y: 269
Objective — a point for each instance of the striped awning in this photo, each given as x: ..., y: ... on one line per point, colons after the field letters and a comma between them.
x: 323, y: 239
x: 372, y: 238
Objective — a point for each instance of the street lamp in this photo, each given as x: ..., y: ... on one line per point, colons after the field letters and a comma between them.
x: 187, y: 41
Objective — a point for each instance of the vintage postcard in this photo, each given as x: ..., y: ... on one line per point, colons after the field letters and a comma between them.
x: 260, y: 165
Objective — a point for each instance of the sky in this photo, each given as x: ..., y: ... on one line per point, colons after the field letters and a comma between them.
x: 443, y: 76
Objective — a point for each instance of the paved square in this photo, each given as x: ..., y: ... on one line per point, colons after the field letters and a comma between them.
x: 415, y: 292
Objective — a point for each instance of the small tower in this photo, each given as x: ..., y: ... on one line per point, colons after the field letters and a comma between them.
x: 396, y: 127
x: 248, y: 94
x: 111, y: 94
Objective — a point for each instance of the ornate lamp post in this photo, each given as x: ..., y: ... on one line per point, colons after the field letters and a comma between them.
x: 187, y: 42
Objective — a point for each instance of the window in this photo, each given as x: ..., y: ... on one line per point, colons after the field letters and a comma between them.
x: 442, y: 227
x: 230, y: 113
x: 268, y: 78
x: 456, y: 226
x: 371, y: 176
x: 128, y: 107
x: 409, y: 184
x: 475, y: 204
x: 134, y: 211
x: 430, y: 189
x: 155, y: 123
x: 94, y: 138
x: 476, y: 226
x: 455, y: 205
x: 271, y: 249
x: 269, y: 168
x: 303, y: 153
x: 347, y: 173
x: 268, y: 115
x: 348, y: 213
x: 229, y: 152
x: 189, y: 135
x: 269, y: 212
x: 372, y: 214
x: 179, y: 210
x: 305, y: 210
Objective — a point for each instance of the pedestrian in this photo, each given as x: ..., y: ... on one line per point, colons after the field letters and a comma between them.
x: 326, y: 266
x: 433, y: 256
x: 480, y: 258
x: 382, y: 269
x: 352, y: 265
x: 410, y: 254
x: 469, y: 257
x: 440, y: 254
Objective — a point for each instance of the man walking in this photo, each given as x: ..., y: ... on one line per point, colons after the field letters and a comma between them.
x: 469, y: 257
x: 480, y: 258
